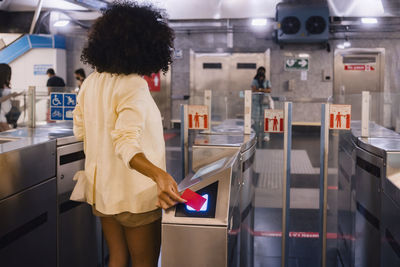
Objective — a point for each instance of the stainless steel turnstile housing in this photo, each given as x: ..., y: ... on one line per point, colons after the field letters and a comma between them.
x: 366, y: 230
x: 224, y: 239
x: 209, y: 237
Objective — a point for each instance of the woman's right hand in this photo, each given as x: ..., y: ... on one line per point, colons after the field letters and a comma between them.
x: 168, y: 194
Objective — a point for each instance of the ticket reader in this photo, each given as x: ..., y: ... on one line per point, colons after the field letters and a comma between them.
x: 209, y: 237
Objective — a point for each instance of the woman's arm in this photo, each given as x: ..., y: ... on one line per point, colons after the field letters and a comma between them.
x: 127, y: 135
x: 168, y: 194
x: 6, y: 97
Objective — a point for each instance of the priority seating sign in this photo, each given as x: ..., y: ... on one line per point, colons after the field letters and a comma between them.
x: 61, y: 106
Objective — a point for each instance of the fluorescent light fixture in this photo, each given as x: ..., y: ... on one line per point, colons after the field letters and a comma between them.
x: 259, y: 22
x: 369, y: 20
x: 347, y: 44
x: 340, y: 46
x: 61, y: 23
x: 304, y: 55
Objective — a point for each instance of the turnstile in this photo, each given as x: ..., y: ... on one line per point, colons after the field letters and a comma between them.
x: 223, y: 164
x: 364, y: 216
x: 209, y: 237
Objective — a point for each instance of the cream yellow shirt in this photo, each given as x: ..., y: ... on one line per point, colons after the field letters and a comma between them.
x: 117, y: 118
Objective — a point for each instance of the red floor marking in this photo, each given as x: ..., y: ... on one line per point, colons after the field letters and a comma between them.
x: 333, y: 188
x: 168, y: 136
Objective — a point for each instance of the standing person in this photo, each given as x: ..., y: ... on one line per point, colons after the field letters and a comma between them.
x: 124, y: 178
x: 5, y: 95
x: 54, y: 83
x: 80, y: 76
x: 261, y: 99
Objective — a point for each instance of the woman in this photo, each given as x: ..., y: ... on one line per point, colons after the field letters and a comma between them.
x: 259, y: 83
x: 80, y: 76
x: 5, y: 95
x: 261, y: 99
x: 116, y: 117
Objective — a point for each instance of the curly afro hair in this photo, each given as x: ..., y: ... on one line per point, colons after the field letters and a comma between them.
x: 129, y: 38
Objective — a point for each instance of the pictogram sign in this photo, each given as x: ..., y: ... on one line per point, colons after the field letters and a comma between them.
x: 273, y: 121
x: 198, y: 117
x: 339, y: 117
x: 296, y: 64
x: 61, y: 106
x: 154, y: 82
x: 359, y: 67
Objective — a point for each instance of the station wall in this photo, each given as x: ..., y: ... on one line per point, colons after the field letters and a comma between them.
x: 313, y: 87
x: 244, y: 40
x: 23, y: 68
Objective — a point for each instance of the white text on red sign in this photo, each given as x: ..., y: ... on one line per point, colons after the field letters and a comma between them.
x: 273, y: 121
x: 339, y: 117
x: 198, y: 117
x: 359, y: 67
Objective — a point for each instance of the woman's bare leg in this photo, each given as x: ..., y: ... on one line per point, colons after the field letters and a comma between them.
x: 114, y: 234
x: 144, y: 244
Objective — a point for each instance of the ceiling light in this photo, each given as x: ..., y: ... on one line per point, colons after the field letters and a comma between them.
x: 347, y: 44
x: 259, y: 22
x: 369, y: 20
x: 61, y: 23
x: 304, y: 55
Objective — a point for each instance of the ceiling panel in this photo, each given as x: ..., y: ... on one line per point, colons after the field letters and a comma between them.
x: 29, y: 5
x: 213, y: 9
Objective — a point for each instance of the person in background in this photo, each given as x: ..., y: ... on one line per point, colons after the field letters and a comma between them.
x: 5, y: 95
x: 54, y: 83
x: 261, y: 99
x: 80, y: 76
x: 259, y: 83
x: 116, y: 117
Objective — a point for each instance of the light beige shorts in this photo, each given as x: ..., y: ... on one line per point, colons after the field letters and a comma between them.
x: 128, y: 219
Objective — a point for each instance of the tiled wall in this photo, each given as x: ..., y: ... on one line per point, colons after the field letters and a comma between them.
x: 246, y: 41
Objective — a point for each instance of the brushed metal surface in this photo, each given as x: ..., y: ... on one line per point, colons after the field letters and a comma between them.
x: 368, y: 213
x: 390, y: 234
x: 203, y: 155
x: 27, y: 166
x: 28, y: 227
x: 348, y: 84
x: 194, y: 246
x: 391, y: 185
x: 65, y: 172
x: 225, y: 103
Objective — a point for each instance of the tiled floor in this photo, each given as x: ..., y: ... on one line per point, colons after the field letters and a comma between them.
x: 304, y: 246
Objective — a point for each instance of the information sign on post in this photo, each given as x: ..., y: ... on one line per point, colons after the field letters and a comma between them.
x: 273, y: 121
x: 198, y: 117
x: 61, y: 106
x: 339, y: 117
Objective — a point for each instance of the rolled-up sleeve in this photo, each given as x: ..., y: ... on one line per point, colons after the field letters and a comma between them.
x: 129, y: 125
x: 78, y: 128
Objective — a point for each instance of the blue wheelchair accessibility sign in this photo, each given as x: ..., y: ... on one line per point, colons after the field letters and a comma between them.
x: 56, y: 100
x: 61, y: 106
